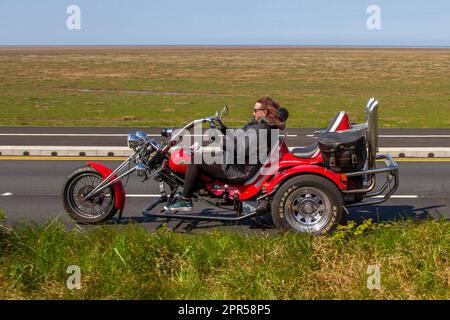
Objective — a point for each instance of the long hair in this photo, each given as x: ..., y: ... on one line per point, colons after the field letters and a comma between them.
x: 273, y: 117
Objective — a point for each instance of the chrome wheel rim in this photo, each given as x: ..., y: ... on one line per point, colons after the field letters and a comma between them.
x: 308, y: 209
x: 97, y: 206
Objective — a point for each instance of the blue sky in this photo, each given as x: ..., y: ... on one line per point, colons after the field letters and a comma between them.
x: 202, y: 22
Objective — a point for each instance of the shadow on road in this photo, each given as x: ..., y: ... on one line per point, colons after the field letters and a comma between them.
x: 381, y: 213
x: 386, y: 213
x: 259, y: 223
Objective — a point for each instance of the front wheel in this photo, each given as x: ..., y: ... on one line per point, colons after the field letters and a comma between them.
x: 307, y: 203
x: 97, y: 209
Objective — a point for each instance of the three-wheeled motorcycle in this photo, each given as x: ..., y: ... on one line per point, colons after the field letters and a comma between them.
x: 308, y: 190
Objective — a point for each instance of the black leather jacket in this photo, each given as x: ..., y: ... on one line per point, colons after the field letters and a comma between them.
x: 241, y: 172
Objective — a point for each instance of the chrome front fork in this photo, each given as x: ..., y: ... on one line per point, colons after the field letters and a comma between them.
x: 108, y: 181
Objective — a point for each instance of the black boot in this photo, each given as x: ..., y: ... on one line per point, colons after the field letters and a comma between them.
x: 263, y: 207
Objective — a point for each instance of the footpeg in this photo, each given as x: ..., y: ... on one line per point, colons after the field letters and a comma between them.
x: 152, y: 205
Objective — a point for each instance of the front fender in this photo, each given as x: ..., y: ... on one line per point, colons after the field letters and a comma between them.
x: 306, y: 169
x: 119, y: 191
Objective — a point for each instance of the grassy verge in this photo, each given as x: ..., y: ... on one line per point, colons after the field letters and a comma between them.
x: 148, y: 86
x: 131, y: 263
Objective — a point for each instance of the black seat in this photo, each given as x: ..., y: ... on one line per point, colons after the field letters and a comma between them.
x: 310, y: 151
x: 306, y: 152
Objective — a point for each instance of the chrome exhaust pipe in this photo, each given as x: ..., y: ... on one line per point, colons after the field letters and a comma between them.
x: 372, y: 130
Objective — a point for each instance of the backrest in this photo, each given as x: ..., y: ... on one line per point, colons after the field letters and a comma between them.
x: 339, y: 122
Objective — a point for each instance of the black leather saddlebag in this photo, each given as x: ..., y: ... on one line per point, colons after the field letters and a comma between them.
x: 343, y: 151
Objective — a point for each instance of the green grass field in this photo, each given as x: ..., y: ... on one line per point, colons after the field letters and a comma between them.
x: 131, y: 263
x: 159, y: 86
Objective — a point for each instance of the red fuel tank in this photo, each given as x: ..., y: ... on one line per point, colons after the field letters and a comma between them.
x: 179, y: 159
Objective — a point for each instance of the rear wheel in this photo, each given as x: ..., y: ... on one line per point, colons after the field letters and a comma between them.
x: 309, y: 204
x: 97, y: 209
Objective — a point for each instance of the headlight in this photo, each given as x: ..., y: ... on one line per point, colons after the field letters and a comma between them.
x: 133, y: 140
x: 137, y: 139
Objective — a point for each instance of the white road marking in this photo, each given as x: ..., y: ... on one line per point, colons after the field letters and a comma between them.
x: 142, y: 195
x: 8, y: 194
x: 407, y: 196
x: 405, y: 135
x: 414, y: 136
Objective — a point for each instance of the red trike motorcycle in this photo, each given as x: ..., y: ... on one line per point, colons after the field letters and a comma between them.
x: 308, y: 191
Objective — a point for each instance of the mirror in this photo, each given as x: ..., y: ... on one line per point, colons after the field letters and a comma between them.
x: 142, y: 136
x: 166, y: 132
x: 224, y: 111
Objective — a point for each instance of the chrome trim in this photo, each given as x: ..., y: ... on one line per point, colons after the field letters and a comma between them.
x: 115, y: 180
x: 359, y: 126
x: 391, y: 170
x: 142, y: 136
x: 392, y: 165
x: 108, y: 178
x: 187, y: 127
x: 362, y: 190
x: 184, y: 129
x: 372, y: 130
x: 132, y: 141
x: 199, y: 217
x: 141, y: 170
x: 123, y: 175
x: 224, y: 111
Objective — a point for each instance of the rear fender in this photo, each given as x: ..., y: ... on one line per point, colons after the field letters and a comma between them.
x: 119, y: 191
x: 338, y: 179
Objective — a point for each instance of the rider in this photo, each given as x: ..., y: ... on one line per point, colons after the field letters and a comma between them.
x: 266, y: 115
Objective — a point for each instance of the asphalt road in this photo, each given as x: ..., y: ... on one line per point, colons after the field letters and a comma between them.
x: 116, y: 136
x: 30, y: 190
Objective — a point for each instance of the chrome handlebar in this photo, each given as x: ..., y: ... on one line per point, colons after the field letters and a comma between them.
x: 143, y: 147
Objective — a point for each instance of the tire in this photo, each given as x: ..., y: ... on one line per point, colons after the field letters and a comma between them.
x: 307, y: 203
x: 78, y: 208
